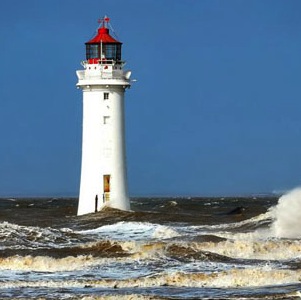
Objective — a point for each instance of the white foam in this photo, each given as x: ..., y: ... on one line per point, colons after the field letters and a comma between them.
x: 250, y: 248
x: 133, y: 231
x: 21, y: 237
x: 253, y: 277
x: 47, y: 264
x: 287, y: 215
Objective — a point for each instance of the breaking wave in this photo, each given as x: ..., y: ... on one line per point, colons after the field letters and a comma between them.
x: 133, y: 231
x: 287, y: 215
x: 252, y: 277
x: 15, y: 236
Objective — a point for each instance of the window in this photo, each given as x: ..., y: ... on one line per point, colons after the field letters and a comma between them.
x: 105, y: 96
x: 112, y: 51
x: 106, y: 119
x: 92, y: 51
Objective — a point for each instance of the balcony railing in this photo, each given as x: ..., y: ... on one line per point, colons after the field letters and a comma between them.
x: 99, y: 74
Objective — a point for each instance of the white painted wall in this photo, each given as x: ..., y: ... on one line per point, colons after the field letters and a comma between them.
x: 103, y: 142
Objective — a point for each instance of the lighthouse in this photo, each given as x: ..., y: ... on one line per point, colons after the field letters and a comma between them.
x: 103, y: 81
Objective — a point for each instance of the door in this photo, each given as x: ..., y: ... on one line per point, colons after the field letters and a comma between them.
x: 106, y: 187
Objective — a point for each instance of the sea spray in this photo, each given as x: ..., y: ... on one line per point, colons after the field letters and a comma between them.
x: 287, y: 215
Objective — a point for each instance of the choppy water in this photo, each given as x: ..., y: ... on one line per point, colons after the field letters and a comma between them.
x: 166, y: 248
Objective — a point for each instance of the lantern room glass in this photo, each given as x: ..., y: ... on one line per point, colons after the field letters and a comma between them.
x: 108, y: 51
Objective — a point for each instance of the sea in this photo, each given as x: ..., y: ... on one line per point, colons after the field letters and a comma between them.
x: 164, y: 248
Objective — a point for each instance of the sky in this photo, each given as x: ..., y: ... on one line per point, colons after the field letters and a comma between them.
x: 215, y: 110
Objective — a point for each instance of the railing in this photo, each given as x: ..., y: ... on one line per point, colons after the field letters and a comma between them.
x: 98, y: 61
x: 98, y: 74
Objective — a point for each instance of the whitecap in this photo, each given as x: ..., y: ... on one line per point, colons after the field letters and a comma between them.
x: 133, y: 231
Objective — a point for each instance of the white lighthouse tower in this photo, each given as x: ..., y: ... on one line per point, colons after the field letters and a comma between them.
x: 103, y: 82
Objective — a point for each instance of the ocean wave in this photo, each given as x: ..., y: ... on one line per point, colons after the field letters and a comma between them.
x: 252, y: 223
x: 132, y: 231
x: 249, y: 248
x: 15, y: 236
x: 46, y: 263
x: 234, y: 278
x: 221, y: 254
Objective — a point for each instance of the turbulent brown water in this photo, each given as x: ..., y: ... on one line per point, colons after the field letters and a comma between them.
x: 165, y: 248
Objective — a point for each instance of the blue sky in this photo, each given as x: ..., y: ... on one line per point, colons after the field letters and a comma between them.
x: 215, y: 111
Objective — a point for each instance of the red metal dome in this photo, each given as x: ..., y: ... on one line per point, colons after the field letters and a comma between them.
x: 103, y: 36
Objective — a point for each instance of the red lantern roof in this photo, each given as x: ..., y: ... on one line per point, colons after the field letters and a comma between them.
x: 103, y: 35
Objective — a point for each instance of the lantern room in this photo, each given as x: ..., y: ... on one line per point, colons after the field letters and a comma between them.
x: 103, y: 48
